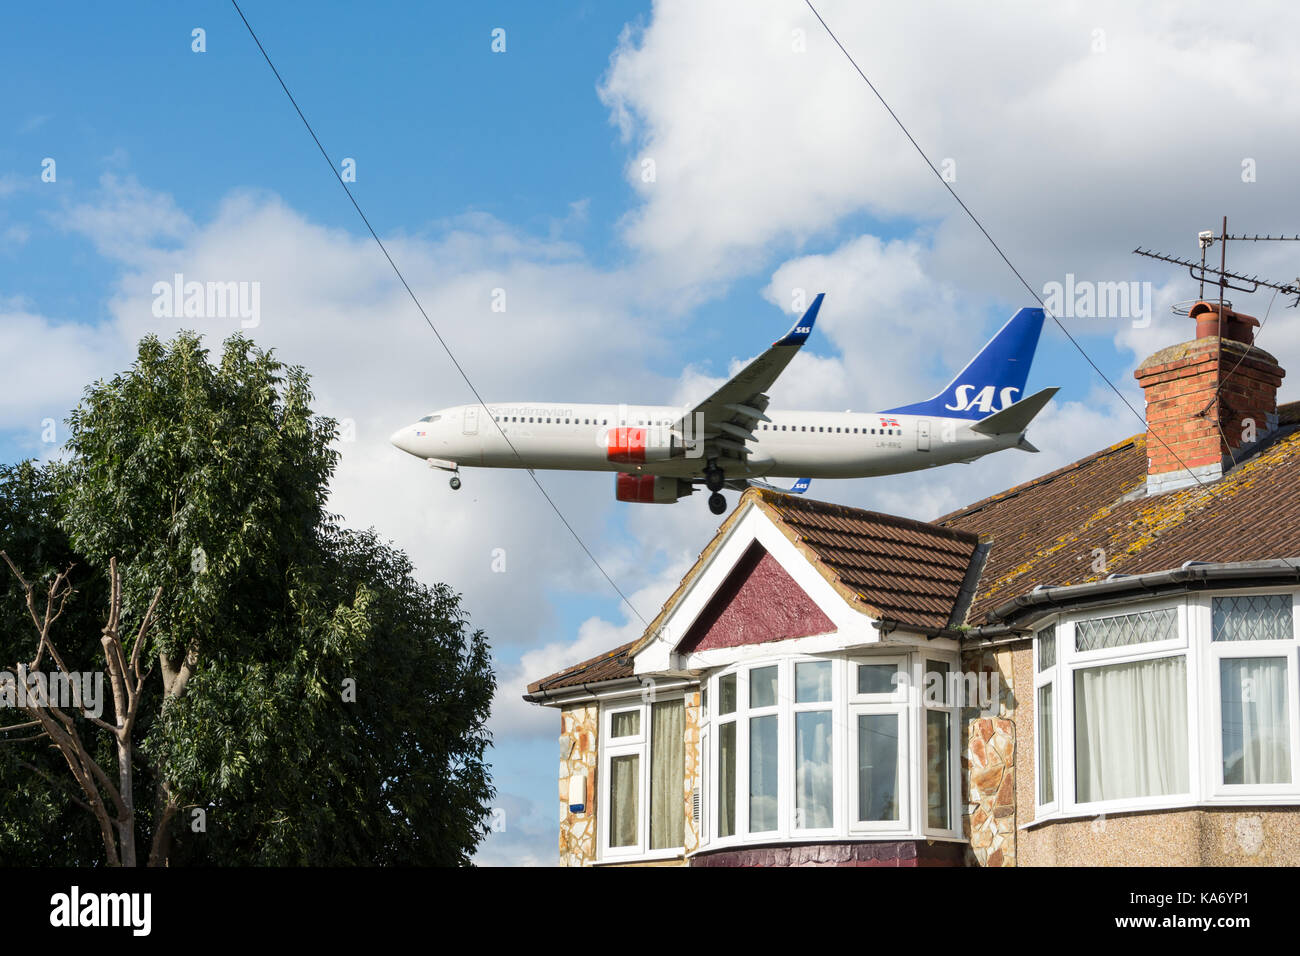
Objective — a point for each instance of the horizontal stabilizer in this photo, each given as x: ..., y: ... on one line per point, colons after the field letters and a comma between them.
x: 798, y: 488
x: 1015, y: 418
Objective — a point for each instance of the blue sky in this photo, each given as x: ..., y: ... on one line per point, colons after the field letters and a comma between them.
x: 776, y: 170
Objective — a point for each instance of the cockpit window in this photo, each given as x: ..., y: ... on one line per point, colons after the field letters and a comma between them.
x: 430, y: 418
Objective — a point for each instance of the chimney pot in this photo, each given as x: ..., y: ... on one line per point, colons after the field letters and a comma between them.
x: 1236, y: 325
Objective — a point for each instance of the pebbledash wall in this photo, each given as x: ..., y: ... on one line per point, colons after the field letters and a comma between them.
x: 1202, y: 836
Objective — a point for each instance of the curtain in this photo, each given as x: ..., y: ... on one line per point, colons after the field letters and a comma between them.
x: 814, y: 780
x: 1256, y: 722
x: 727, y: 779
x: 625, y: 724
x: 624, y: 784
x: 1046, y: 757
x: 763, y: 773
x: 937, y: 747
x: 667, y: 774
x: 1130, y: 730
x: 877, y: 767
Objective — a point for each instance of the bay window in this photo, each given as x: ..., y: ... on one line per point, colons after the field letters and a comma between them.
x: 810, y: 748
x: 1184, y: 701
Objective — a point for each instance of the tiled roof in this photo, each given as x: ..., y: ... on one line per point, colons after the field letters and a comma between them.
x: 1059, y: 528
x: 612, y: 665
x: 906, y: 570
x: 910, y: 571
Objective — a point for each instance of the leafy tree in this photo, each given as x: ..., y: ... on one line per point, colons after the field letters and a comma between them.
x: 315, y: 703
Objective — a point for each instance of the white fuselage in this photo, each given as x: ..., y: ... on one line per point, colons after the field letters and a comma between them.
x: 793, y: 444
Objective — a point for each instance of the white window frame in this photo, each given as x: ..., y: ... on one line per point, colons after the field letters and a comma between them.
x: 1068, y: 661
x: 1212, y: 742
x: 846, y: 704
x: 639, y: 744
x: 1044, y: 677
x: 834, y: 707
x: 896, y: 703
x: 950, y: 707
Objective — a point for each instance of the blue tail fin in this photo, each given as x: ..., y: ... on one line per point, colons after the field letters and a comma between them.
x: 993, y: 379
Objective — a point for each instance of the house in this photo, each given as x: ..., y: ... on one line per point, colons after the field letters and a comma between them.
x: 1096, y: 667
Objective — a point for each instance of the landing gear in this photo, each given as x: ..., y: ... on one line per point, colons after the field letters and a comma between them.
x: 714, y: 478
x: 455, y: 482
x: 717, y: 503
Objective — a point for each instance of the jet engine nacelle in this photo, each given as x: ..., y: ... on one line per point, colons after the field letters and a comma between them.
x: 650, y: 489
x: 638, y: 445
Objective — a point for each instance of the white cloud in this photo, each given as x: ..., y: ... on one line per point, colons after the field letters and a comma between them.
x: 1071, y: 150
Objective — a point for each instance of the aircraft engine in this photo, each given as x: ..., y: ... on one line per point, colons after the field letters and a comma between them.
x: 637, y: 445
x: 650, y: 489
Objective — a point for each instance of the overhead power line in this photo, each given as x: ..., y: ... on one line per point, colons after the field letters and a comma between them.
x: 428, y: 321
x: 998, y: 249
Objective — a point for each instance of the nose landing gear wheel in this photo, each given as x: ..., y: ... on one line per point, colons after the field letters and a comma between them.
x: 455, y: 483
x: 713, y: 479
x: 717, y: 503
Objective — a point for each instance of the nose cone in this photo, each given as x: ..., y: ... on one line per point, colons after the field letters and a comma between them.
x: 404, y: 438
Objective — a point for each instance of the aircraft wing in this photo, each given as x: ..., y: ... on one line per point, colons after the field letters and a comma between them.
x: 725, y: 421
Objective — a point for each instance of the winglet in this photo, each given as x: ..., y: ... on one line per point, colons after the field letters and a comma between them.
x: 800, y: 486
x: 800, y: 331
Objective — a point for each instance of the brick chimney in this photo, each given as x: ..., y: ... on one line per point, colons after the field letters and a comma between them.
x: 1206, y: 426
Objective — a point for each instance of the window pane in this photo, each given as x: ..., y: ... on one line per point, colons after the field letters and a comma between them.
x: 813, y: 781
x: 1047, y: 648
x: 727, y: 694
x: 1256, y: 617
x: 1256, y: 720
x: 667, y: 774
x: 1124, y: 630
x: 877, y: 767
x: 812, y: 681
x: 727, y: 779
x: 935, y: 688
x: 1130, y: 730
x: 1046, y: 769
x: 624, y: 785
x: 762, y: 773
x: 625, y: 724
x: 937, y: 750
x: 762, y: 687
x: 877, y: 678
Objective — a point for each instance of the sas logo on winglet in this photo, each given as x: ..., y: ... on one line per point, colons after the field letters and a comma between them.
x: 983, y: 400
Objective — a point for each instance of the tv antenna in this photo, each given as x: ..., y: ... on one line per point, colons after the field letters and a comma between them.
x: 1221, y: 277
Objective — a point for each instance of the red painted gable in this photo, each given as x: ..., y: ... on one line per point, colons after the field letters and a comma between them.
x: 758, y: 602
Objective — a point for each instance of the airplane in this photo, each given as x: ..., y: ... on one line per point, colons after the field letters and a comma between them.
x: 733, y: 440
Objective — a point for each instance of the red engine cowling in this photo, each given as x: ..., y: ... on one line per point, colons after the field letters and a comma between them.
x: 650, y: 489
x: 634, y: 446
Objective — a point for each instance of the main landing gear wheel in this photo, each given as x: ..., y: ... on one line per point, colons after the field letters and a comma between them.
x: 713, y: 479
x: 717, y: 503
x: 455, y: 482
